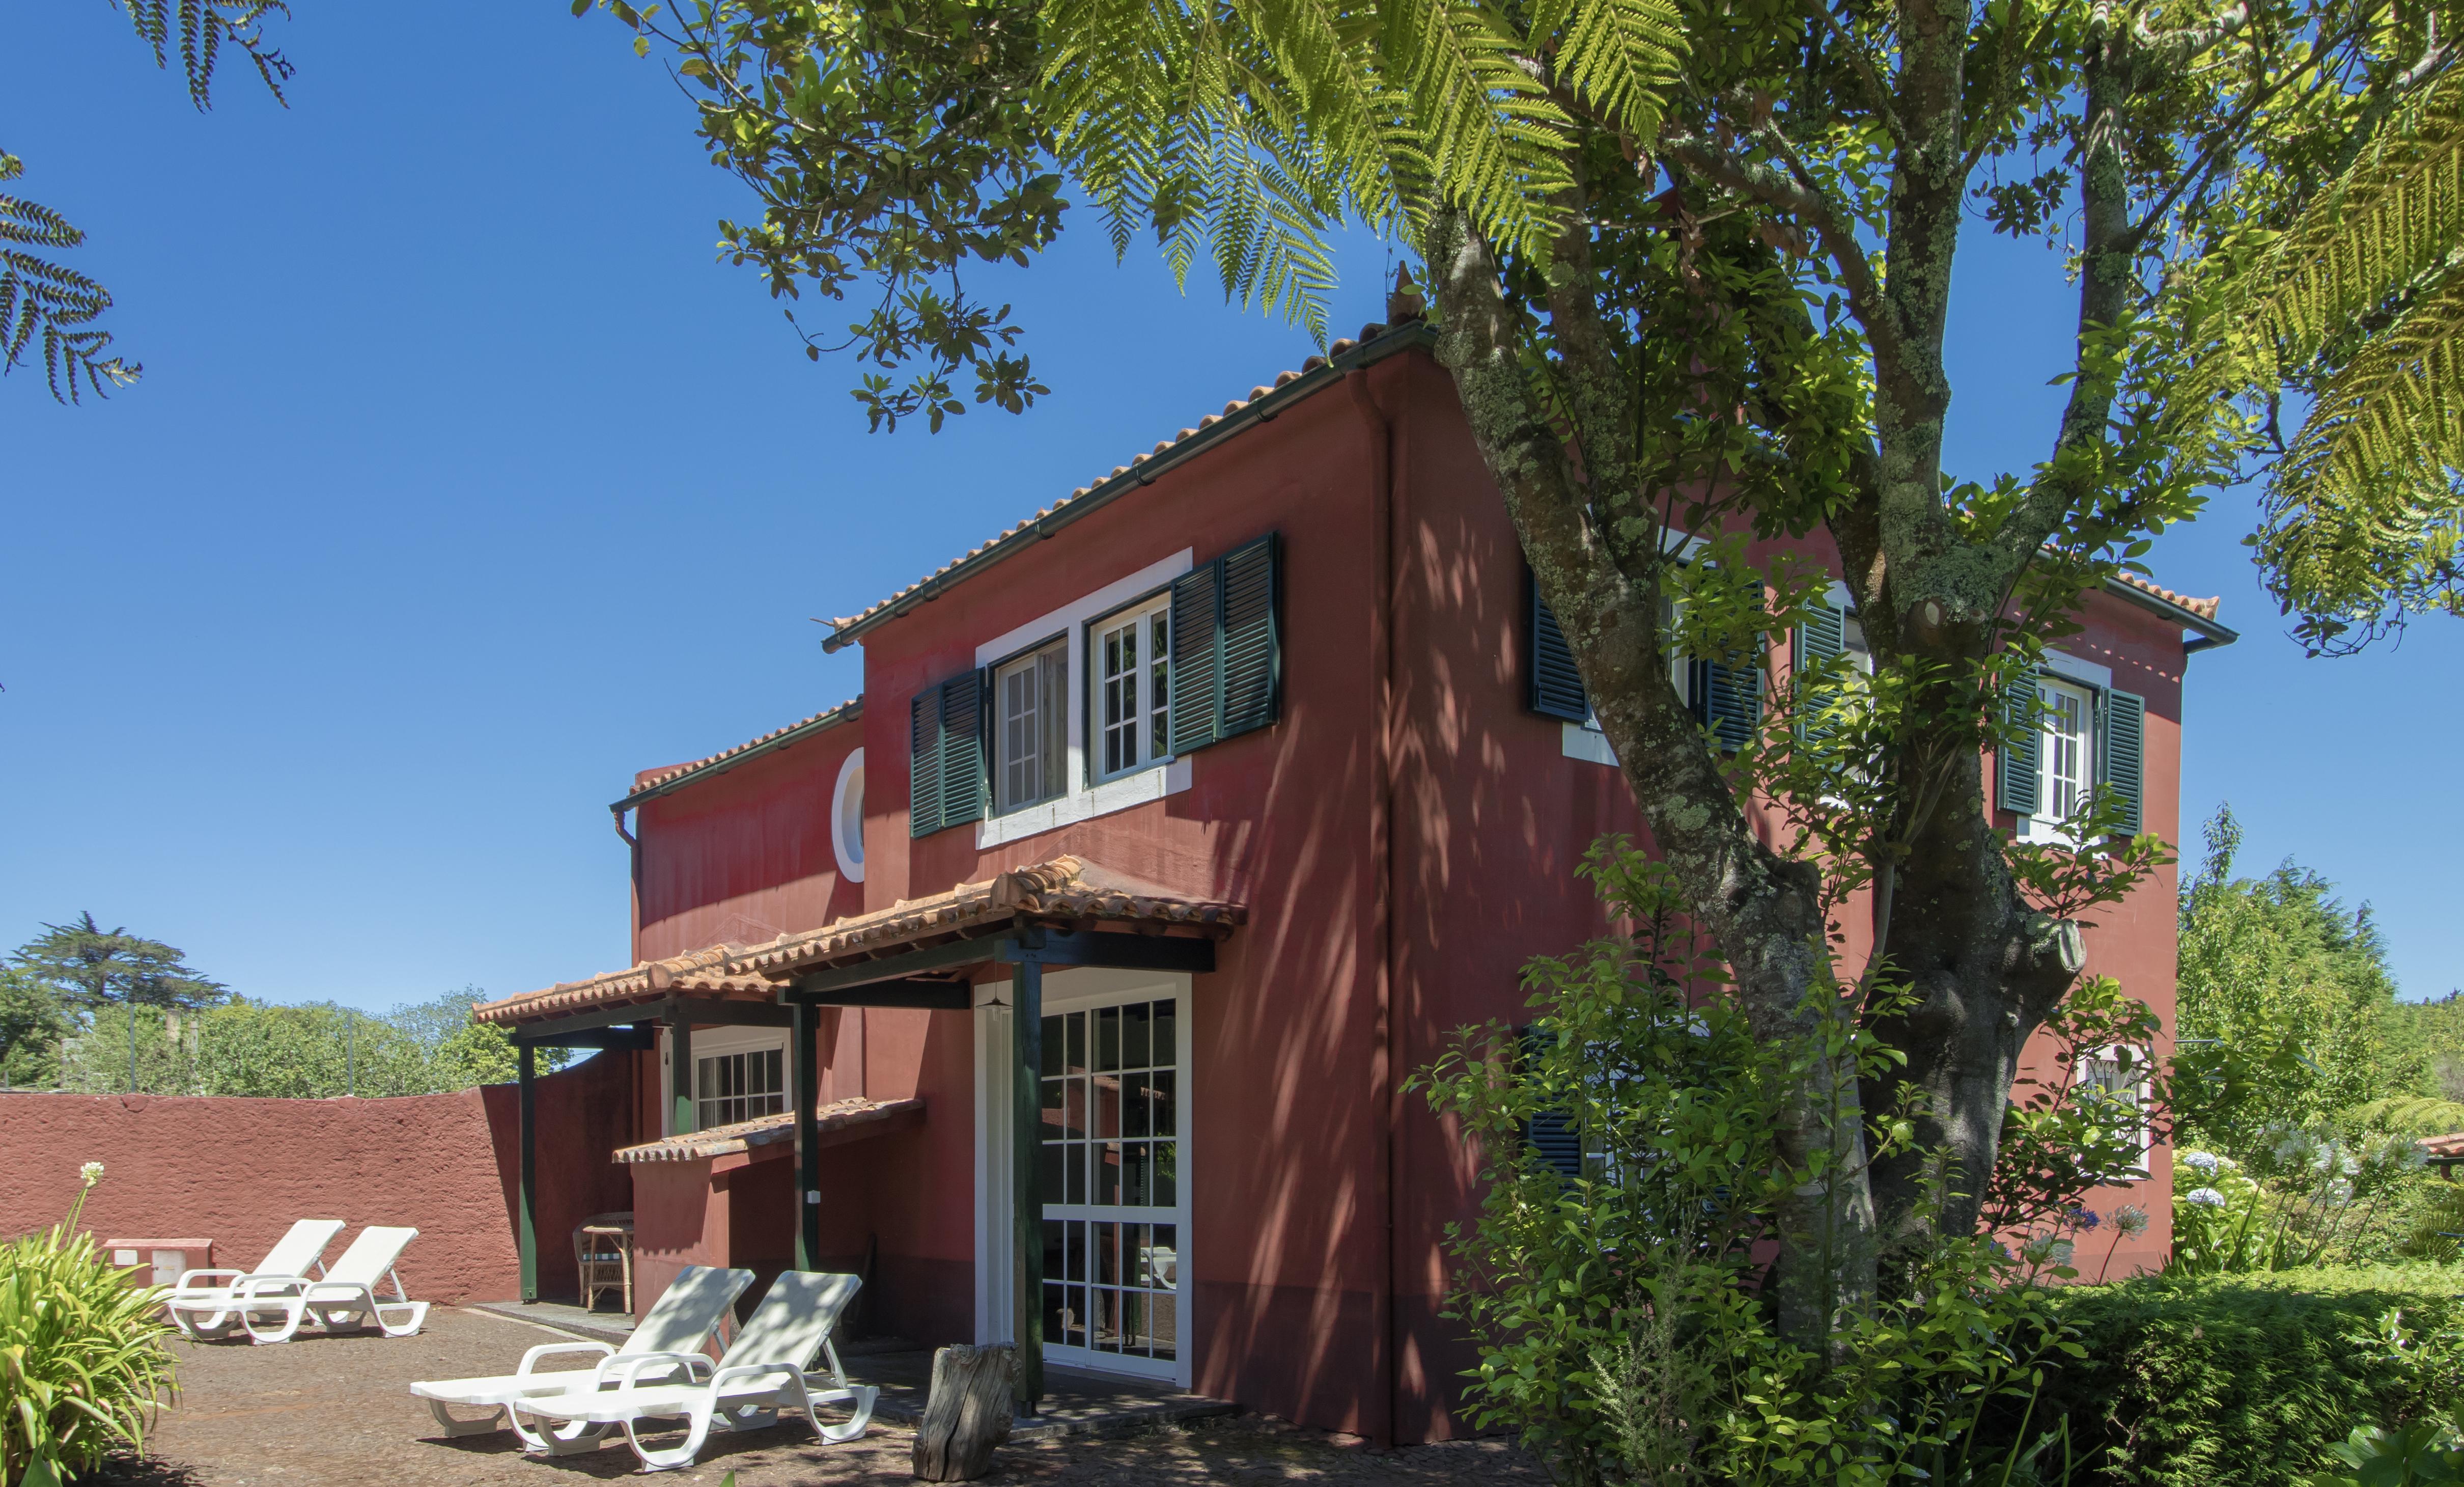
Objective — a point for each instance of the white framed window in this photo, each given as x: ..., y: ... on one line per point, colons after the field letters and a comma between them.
x: 1116, y: 1116
x: 738, y: 1086
x: 739, y: 1074
x: 847, y: 818
x: 2115, y: 1079
x: 1081, y: 791
x: 1031, y: 727
x: 1130, y: 670
x: 2066, y: 756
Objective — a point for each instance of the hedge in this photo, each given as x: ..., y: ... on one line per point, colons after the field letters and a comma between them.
x: 2242, y: 1379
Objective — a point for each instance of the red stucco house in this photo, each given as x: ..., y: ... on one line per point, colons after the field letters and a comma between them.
x: 1253, y: 770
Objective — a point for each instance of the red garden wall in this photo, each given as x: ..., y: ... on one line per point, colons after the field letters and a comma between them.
x: 239, y: 1171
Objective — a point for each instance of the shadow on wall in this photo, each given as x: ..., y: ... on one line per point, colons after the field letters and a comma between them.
x: 239, y: 1171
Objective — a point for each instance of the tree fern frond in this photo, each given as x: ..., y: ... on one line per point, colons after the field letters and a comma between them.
x: 198, y: 30
x: 2362, y: 520
x: 1494, y: 138
x: 1621, y: 55
x: 2395, y: 215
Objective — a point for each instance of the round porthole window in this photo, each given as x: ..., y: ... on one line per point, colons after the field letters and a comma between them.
x: 847, y: 818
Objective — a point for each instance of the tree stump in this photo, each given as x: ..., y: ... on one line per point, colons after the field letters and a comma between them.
x: 966, y: 1414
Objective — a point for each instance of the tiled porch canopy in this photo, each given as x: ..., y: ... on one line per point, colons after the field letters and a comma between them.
x: 840, y: 1121
x: 917, y: 953
x: 940, y: 935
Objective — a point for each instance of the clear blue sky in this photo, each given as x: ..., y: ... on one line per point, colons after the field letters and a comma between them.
x: 463, y: 483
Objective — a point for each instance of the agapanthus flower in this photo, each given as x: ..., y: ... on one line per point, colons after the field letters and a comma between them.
x: 2084, y: 1219
x: 92, y: 1172
x: 2132, y: 1219
x: 2204, y: 1197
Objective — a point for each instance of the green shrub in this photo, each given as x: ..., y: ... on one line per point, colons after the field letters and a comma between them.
x: 2253, y: 1379
x: 83, y: 1365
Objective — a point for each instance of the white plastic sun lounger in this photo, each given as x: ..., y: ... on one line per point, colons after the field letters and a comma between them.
x: 761, y: 1375
x: 680, y: 1321
x: 202, y: 1308
x: 346, y: 1297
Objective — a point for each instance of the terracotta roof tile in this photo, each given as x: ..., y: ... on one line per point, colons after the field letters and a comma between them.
x: 2204, y: 609
x: 1282, y: 380
x: 844, y: 712
x: 842, y: 1119
x: 1065, y: 890
x: 2443, y: 1148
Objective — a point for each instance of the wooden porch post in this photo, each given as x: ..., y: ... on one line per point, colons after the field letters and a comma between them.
x: 681, y: 1111
x: 804, y: 1089
x: 1026, y: 1181
x: 526, y: 1122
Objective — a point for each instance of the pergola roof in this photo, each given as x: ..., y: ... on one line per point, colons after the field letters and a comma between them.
x: 840, y: 1121
x: 1066, y: 893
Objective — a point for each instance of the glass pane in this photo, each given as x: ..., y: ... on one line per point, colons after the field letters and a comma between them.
x: 1107, y: 1095
x: 1052, y: 1177
x: 1163, y: 1118
x: 1108, y: 1320
x: 1108, y: 1173
x: 1134, y: 1173
x: 1108, y: 1254
x: 1053, y: 1095
x: 1056, y: 1312
x: 1073, y: 1119
x: 1133, y: 1321
x: 1133, y: 1036
x: 1074, y: 1263
x: 1134, y: 1102
x: 1055, y: 1250
x: 1052, y: 1048
x: 1077, y: 1055
x: 1163, y: 1313
x: 1073, y: 1180
x: 1167, y: 1046
x: 1164, y: 1182
x: 1108, y: 1040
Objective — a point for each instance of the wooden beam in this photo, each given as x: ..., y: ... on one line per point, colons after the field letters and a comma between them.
x: 1026, y: 1181
x: 804, y: 1088
x: 899, y: 966
x: 526, y: 1199
x: 620, y: 1037
x: 933, y: 992
x: 1109, y: 949
x: 723, y: 1010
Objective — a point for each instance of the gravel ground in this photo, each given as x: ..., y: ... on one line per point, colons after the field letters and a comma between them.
x: 335, y: 1411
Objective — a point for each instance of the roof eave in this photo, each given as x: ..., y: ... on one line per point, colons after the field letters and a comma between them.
x: 1410, y: 336
x: 2210, y: 632
x: 844, y: 712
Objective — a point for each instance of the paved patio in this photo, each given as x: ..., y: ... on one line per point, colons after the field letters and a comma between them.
x: 336, y: 1410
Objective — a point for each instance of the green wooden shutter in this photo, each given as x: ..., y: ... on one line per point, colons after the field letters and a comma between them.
x: 1732, y: 703
x: 1252, y: 649
x: 924, y: 764
x: 945, y: 755
x: 1821, y: 640
x: 1196, y: 661
x: 966, y: 789
x: 1557, y: 685
x: 2121, y: 751
x: 1550, y: 1134
x: 1227, y: 647
x: 2015, y: 785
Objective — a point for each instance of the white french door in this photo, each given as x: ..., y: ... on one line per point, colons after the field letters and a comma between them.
x: 1115, y: 1100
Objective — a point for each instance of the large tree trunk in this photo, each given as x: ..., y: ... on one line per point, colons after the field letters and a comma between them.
x: 1764, y: 911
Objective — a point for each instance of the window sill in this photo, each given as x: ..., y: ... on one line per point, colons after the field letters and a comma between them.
x: 1084, y: 805
x: 1590, y: 743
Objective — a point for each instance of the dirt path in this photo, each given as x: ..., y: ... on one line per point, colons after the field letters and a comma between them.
x: 335, y: 1411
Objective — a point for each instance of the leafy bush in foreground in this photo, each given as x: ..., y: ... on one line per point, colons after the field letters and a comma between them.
x: 2254, y: 1379
x: 83, y: 1365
